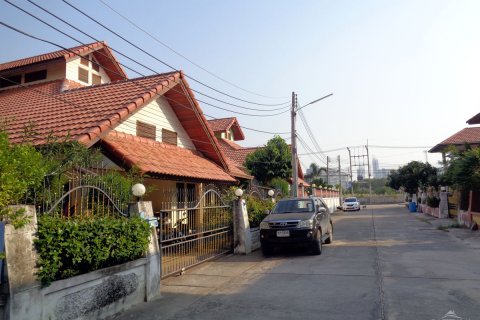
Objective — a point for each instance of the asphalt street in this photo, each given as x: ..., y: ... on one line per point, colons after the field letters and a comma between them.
x: 384, y: 263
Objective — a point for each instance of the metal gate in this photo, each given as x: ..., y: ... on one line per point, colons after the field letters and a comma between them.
x: 193, y: 231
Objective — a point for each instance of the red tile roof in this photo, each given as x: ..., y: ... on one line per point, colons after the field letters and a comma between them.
x: 225, y: 124
x: 162, y: 159
x: 89, y: 113
x: 84, y: 114
x: 102, y: 53
x: 235, y: 152
x: 475, y: 119
x: 467, y: 135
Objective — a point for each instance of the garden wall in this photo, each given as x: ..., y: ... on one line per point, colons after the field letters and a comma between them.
x: 95, y: 295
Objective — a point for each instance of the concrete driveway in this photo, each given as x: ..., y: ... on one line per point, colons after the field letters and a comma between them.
x: 385, y: 263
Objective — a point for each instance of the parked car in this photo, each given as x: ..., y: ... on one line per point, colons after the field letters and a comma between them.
x: 297, y: 222
x: 351, y: 204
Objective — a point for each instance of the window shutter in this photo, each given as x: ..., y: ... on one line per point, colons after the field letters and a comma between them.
x: 146, y: 130
x: 83, y: 74
x: 169, y: 137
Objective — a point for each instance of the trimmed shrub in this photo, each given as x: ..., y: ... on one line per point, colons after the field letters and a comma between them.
x: 69, y: 247
x: 433, y: 202
x: 257, y: 210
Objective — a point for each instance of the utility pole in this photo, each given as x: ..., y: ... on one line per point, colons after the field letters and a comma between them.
x: 294, y: 110
x: 328, y: 169
x: 351, y: 173
x: 294, y: 147
x: 339, y: 180
x: 369, y: 176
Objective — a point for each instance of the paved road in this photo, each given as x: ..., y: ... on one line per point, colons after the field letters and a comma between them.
x: 385, y: 263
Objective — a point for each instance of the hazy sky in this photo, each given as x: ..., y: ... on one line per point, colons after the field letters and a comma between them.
x: 403, y: 73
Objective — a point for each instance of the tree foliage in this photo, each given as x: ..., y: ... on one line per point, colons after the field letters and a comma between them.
x: 271, y: 161
x: 464, y: 169
x: 21, y: 168
x: 413, y: 175
x: 314, y: 172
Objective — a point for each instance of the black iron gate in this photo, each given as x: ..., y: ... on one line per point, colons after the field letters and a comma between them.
x: 193, y: 231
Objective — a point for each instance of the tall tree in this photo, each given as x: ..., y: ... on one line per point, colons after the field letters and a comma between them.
x: 271, y: 161
x: 315, y: 172
x: 411, y: 176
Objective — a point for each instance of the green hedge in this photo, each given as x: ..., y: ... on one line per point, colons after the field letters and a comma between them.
x: 257, y: 210
x: 69, y: 247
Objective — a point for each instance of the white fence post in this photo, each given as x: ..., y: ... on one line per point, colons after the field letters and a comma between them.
x: 153, y: 272
x: 241, y: 228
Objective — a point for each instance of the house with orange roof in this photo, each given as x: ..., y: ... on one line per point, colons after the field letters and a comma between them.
x: 153, y: 123
x: 227, y: 131
x: 467, y: 136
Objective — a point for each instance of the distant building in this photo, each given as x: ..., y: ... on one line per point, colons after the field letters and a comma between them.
x: 378, y: 173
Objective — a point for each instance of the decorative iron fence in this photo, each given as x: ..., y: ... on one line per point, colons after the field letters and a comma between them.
x: 82, y: 192
x: 195, y: 226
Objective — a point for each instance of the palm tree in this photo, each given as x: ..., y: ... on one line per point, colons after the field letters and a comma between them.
x: 315, y: 172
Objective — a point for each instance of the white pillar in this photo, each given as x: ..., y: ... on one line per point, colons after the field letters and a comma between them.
x: 242, y: 238
x: 153, y: 271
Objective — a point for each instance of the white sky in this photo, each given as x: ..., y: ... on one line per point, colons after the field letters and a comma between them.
x: 403, y: 73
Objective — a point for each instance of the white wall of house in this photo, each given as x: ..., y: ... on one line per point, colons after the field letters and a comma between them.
x: 159, y: 113
x: 72, y: 71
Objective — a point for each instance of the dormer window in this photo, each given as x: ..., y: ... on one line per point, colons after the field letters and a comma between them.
x: 10, y: 81
x: 35, y: 76
x: 84, y: 61
x: 83, y: 74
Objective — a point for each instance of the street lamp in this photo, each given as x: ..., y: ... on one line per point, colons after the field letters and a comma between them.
x: 294, y: 139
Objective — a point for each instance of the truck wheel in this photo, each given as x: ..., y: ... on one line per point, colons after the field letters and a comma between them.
x: 330, y: 234
x: 317, y: 243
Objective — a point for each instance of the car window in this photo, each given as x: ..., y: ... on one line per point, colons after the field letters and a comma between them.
x: 351, y: 200
x: 294, y: 206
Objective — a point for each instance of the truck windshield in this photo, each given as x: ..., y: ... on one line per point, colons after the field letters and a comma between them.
x: 294, y: 206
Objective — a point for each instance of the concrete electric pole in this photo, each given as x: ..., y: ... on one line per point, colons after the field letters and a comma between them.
x: 295, y: 109
x: 294, y: 189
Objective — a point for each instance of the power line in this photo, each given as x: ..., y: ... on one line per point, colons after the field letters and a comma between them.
x: 183, y: 56
x: 113, y: 71
x: 311, y: 135
x: 127, y: 57
x: 165, y: 63
x: 370, y: 146
x: 304, y: 144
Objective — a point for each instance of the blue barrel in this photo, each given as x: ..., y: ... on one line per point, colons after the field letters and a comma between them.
x: 412, y: 206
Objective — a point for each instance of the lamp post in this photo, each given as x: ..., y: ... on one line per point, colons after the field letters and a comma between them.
x: 239, y: 193
x: 294, y: 111
x: 138, y: 190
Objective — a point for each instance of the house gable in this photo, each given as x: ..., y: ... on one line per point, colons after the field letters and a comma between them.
x: 157, y: 113
x: 65, y: 64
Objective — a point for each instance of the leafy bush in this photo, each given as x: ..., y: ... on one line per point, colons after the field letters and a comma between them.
x: 21, y: 168
x: 433, y: 202
x: 69, y: 247
x: 280, y: 184
x: 257, y: 210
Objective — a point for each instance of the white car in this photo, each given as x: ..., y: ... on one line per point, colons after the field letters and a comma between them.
x: 351, y: 204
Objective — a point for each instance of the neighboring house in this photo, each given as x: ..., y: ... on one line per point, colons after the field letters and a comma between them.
x: 469, y: 135
x: 153, y: 123
x: 227, y: 131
